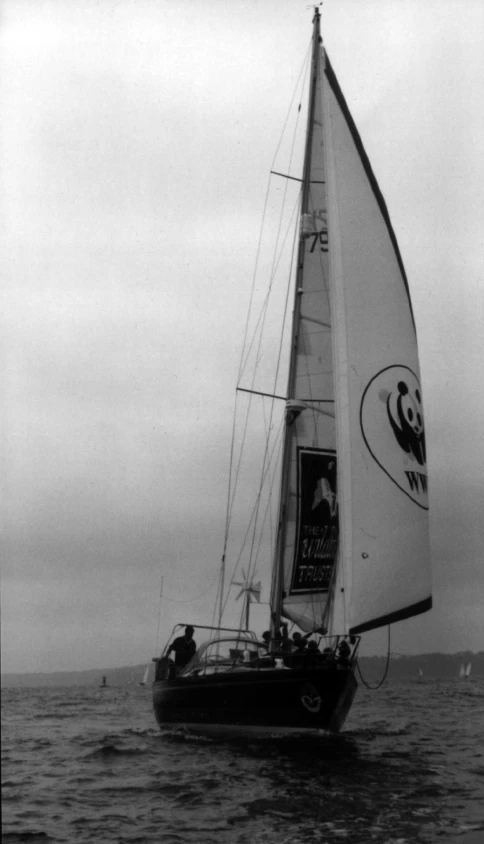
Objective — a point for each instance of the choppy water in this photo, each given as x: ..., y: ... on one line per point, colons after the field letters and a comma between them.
x: 85, y: 765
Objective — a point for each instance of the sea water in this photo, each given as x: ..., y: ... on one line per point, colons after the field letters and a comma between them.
x: 90, y: 765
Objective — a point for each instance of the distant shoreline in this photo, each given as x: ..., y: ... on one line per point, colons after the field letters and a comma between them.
x: 433, y: 665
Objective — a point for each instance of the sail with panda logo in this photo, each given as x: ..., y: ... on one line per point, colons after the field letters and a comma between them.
x: 354, y: 548
x: 385, y: 550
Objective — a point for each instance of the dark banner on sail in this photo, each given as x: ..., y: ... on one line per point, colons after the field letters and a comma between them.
x: 317, y: 522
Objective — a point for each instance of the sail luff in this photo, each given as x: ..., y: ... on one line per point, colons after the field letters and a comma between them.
x: 278, y: 579
x: 311, y: 523
x: 340, y: 359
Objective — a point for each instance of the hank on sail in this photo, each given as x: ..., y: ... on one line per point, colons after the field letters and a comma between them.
x: 352, y: 547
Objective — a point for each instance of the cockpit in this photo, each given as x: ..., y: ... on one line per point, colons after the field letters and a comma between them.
x: 227, y: 654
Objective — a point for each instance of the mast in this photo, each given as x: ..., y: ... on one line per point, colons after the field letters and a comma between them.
x: 278, y: 578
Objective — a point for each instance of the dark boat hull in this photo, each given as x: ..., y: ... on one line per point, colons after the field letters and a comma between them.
x: 250, y: 700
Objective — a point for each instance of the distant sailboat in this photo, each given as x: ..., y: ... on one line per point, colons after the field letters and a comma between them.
x: 467, y: 670
x: 104, y: 684
x: 420, y: 674
x: 144, y: 681
x: 350, y: 548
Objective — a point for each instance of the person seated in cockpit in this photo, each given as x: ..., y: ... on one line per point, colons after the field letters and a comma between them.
x: 299, y: 642
x: 344, y: 651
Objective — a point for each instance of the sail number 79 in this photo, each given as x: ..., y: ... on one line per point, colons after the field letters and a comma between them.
x: 322, y: 237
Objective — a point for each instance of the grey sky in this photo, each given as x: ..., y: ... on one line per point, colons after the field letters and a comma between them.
x: 136, y: 140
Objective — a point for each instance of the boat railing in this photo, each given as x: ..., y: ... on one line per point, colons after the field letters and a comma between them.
x: 216, y: 630
x: 244, y: 651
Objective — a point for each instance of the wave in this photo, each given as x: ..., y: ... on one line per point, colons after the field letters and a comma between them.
x: 382, y: 728
x: 26, y: 835
x: 107, y: 750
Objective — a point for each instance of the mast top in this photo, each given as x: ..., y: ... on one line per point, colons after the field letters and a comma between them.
x: 316, y: 21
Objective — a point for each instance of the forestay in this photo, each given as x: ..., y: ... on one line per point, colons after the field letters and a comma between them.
x: 312, y: 521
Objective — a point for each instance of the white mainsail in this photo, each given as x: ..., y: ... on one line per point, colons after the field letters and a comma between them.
x: 354, y: 504
x: 385, y: 551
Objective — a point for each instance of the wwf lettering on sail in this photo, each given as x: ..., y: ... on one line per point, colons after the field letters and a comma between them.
x: 417, y: 481
x: 317, y: 521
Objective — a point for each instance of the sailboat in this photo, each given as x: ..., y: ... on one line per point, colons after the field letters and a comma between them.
x: 144, y: 681
x: 351, y: 539
x: 465, y: 670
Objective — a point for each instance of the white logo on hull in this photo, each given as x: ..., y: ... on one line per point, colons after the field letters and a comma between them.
x: 310, y: 698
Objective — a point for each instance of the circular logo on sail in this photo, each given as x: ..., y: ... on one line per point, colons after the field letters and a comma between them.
x: 393, y: 428
x: 310, y: 698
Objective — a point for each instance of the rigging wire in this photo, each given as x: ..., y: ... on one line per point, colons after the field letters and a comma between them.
x: 272, y: 405
x: 264, y: 471
x: 232, y: 485
x: 159, y: 617
x: 260, y: 330
x: 190, y: 600
x: 301, y: 73
x: 217, y: 596
x: 267, y: 512
x: 254, y: 509
x: 275, y: 263
x: 387, y: 666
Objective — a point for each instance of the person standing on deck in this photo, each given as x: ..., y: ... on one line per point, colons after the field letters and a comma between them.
x: 184, y: 647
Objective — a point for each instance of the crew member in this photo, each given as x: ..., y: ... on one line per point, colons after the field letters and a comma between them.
x: 184, y: 647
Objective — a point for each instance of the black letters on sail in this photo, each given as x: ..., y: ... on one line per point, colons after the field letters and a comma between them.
x: 317, y: 521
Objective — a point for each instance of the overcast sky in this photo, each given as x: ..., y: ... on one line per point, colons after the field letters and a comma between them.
x: 136, y: 139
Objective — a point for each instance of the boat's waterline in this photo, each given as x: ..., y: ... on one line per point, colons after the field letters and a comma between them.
x: 237, y: 731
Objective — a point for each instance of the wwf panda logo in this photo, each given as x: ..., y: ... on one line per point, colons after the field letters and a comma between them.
x: 406, y: 418
x: 310, y: 698
x: 392, y: 424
